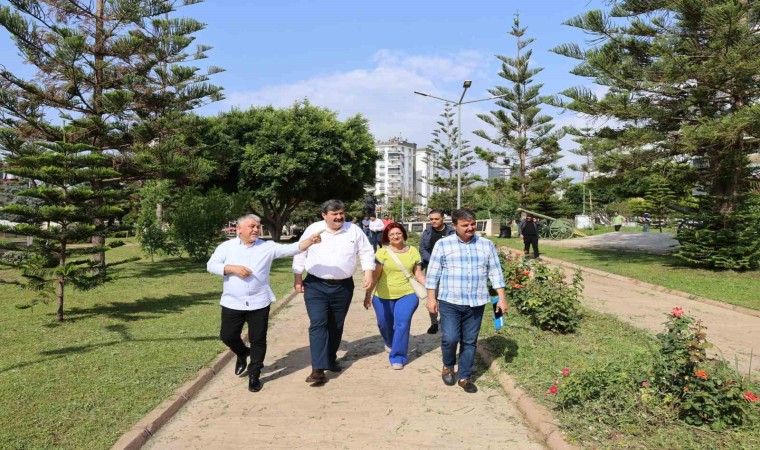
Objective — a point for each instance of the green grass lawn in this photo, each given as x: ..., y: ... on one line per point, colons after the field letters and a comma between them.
x: 123, y: 348
x: 535, y: 359
x: 736, y: 288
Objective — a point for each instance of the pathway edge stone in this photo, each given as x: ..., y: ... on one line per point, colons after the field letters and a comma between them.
x: 139, y: 434
x: 654, y: 287
x: 537, y: 416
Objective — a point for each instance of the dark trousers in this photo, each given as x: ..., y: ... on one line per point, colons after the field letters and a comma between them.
x: 376, y: 239
x: 617, y: 227
x: 327, y: 305
x: 258, y: 323
x: 529, y: 240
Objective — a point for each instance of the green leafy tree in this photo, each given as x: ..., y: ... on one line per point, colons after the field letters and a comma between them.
x: 61, y: 181
x: 288, y: 156
x: 519, y: 127
x: 118, y: 72
x: 681, y: 79
x: 451, y: 156
x: 658, y: 199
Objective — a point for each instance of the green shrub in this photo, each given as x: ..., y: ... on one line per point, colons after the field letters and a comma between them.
x: 197, y: 220
x: 542, y: 293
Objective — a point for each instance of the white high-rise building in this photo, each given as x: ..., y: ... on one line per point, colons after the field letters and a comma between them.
x: 424, y: 173
x: 394, y: 171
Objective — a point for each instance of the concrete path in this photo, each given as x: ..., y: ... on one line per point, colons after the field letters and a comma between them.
x: 653, y: 242
x: 367, y: 405
x: 734, y: 334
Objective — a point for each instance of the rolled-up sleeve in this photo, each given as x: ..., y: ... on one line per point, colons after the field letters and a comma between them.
x: 366, y: 252
x: 283, y: 250
x: 299, y: 260
x: 215, y: 264
x: 495, y: 273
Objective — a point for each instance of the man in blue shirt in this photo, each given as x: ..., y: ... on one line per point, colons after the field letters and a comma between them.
x: 435, y: 230
x: 245, y: 262
x: 457, y: 282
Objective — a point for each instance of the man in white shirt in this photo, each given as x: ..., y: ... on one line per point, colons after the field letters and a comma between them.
x: 244, y: 262
x: 329, y: 286
x: 376, y: 227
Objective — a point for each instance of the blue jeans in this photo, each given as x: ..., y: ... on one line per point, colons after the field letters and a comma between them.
x: 394, y: 319
x: 327, y: 305
x: 460, y: 325
x: 376, y: 239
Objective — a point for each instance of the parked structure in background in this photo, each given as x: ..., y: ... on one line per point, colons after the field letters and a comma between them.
x: 499, y: 172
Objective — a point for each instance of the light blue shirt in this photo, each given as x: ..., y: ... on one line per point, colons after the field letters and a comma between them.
x: 253, y: 292
x: 461, y: 270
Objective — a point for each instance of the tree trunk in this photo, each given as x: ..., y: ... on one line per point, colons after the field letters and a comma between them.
x: 61, y: 283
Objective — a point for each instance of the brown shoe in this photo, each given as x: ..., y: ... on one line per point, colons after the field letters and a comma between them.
x: 447, y: 374
x: 317, y: 376
x: 468, y: 386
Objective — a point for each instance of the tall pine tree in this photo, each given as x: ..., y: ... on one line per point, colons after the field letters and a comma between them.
x: 682, y: 85
x: 117, y: 72
x: 519, y: 127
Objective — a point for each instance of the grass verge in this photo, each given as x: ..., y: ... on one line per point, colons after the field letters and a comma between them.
x: 735, y: 288
x: 535, y: 358
x: 122, y: 349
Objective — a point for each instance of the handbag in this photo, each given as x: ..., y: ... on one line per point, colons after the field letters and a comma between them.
x: 419, y: 289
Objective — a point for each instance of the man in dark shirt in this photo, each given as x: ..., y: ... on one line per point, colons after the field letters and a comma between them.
x: 528, y: 230
x: 434, y: 231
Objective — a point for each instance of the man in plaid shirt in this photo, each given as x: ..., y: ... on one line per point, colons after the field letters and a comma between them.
x: 460, y: 267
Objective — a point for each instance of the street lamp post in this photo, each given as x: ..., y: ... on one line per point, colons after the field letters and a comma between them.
x: 466, y: 85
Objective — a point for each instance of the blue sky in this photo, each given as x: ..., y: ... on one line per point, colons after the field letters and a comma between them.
x: 368, y: 57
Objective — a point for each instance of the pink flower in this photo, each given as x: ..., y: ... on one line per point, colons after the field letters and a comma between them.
x: 565, y: 372
x: 553, y: 390
x: 752, y: 398
x: 526, y: 272
x: 518, y: 285
x: 645, y: 384
x: 677, y: 312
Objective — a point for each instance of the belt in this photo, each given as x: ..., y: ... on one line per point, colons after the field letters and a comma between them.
x: 324, y: 280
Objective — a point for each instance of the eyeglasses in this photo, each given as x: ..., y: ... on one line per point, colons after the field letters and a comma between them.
x: 395, y: 235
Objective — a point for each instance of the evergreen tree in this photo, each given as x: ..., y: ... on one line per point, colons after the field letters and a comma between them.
x: 61, y: 181
x: 658, y: 199
x: 682, y: 84
x: 116, y: 72
x: 520, y: 128
x: 452, y: 155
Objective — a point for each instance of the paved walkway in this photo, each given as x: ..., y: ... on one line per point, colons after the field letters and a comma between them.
x: 368, y: 405
x: 652, y: 242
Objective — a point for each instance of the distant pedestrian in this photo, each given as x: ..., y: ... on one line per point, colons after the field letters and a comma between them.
x: 245, y: 262
x: 386, y: 221
x: 457, y: 282
x: 376, y: 227
x: 528, y: 231
x: 646, y: 221
x: 617, y: 221
x: 365, y: 226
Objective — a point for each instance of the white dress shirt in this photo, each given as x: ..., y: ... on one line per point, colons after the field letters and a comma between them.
x: 376, y: 225
x: 252, y: 292
x: 335, y: 257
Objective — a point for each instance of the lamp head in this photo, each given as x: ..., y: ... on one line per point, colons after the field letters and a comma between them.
x: 467, y: 84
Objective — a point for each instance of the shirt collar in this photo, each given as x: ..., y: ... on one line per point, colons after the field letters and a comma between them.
x: 241, y: 243
x: 471, y: 241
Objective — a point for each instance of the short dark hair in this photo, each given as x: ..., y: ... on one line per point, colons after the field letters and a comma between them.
x: 436, y: 211
x: 462, y: 214
x: 332, y: 205
x: 391, y: 226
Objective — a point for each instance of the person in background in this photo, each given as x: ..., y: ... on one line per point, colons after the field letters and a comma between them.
x: 329, y: 286
x: 646, y: 220
x: 457, y: 283
x: 376, y: 228
x: 365, y: 226
x: 395, y: 300
x: 617, y: 221
x: 386, y: 221
x: 245, y: 262
x: 435, y: 230
x: 528, y: 231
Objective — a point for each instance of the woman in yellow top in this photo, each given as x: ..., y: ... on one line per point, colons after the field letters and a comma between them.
x: 395, y: 300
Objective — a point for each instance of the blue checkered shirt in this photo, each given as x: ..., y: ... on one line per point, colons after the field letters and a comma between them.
x: 460, y: 270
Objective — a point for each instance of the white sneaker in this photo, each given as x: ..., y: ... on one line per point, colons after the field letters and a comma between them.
x: 397, y: 366
x: 387, y: 349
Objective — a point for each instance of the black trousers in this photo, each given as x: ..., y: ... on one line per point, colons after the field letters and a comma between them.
x: 529, y: 240
x: 617, y: 227
x: 258, y: 324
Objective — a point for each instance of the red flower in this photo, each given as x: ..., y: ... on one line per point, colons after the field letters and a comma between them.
x: 518, y: 285
x: 565, y: 372
x: 752, y: 398
x: 686, y: 388
x: 645, y: 384
x: 526, y: 272
x: 701, y: 374
x: 552, y: 390
x: 677, y: 312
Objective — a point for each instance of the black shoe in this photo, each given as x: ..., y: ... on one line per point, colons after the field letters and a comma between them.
x: 254, y: 384
x: 240, y: 366
x: 433, y: 329
x: 335, y: 367
x: 317, y: 377
x: 468, y: 386
x: 447, y: 374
